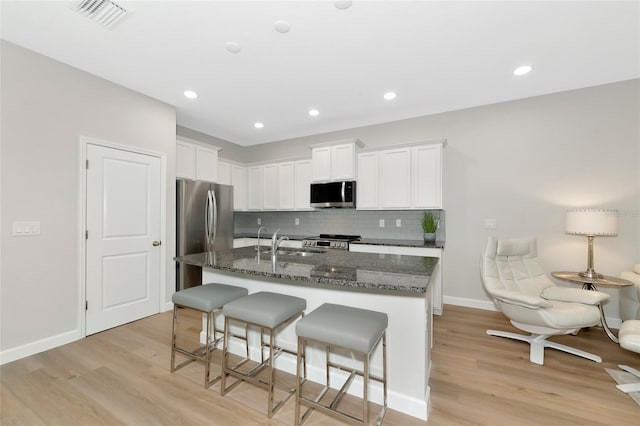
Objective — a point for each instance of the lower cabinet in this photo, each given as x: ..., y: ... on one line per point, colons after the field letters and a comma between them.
x: 436, y: 279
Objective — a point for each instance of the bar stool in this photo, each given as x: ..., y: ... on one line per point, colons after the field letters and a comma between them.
x: 208, y: 299
x: 356, y: 330
x: 268, y: 311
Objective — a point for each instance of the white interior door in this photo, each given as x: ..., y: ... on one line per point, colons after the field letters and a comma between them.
x: 123, y: 236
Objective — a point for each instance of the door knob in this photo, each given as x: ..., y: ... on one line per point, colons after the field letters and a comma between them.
x: 157, y: 243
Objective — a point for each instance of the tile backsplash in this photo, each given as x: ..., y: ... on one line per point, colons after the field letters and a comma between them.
x: 341, y: 221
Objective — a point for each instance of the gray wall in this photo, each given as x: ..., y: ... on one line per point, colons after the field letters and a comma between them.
x: 46, y: 106
x: 524, y: 163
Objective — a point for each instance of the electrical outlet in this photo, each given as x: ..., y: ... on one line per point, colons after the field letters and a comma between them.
x: 297, y: 221
x: 381, y: 223
x: 259, y: 221
x: 398, y: 223
x: 490, y: 224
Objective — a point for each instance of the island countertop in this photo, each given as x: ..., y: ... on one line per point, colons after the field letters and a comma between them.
x: 336, y: 268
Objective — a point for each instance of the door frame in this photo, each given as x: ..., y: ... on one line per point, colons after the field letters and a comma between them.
x: 84, y: 141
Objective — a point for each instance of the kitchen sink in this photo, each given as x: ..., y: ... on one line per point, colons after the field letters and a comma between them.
x: 291, y: 251
x: 299, y: 251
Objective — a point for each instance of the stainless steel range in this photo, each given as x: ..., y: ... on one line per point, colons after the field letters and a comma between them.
x: 334, y: 241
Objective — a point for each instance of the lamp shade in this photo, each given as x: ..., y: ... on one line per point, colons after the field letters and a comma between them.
x: 592, y: 222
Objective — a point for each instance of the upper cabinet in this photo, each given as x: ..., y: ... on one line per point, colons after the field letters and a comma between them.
x: 403, y: 177
x: 335, y: 161
x: 196, y: 162
x: 302, y: 185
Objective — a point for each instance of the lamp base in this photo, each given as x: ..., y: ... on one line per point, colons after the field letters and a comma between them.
x: 591, y: 274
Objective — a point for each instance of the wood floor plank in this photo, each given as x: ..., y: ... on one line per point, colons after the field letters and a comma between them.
x: 121, y: 376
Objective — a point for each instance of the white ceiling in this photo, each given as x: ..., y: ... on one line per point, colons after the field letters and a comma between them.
x: 437, y: 56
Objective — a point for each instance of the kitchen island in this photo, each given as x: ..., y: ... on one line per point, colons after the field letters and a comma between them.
x: 397, y: 285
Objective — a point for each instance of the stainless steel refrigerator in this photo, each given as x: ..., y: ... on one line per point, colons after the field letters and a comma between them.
x: 204, y: 217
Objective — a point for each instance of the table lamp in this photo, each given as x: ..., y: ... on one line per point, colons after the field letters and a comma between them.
x: 592, y: 222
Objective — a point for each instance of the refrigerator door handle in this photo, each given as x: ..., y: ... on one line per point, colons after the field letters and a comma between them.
x: 214, y: 212
x: 207, y: 220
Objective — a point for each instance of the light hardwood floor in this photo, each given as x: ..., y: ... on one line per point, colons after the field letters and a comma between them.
x: 121, y: 376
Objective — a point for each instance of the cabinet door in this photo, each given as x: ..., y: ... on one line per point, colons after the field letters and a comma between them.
x: 270, y: 187
x: 185, y: 160
x: 224, y: 173
x: 427, y: 176
x: 302, y: 188
x: 255, y: 192
x: 286, y: 186
x: 321, y: 159
x: 239, y: 182
x: 342, y: 162
x: 367, y: 186
x: 206, y: 164
x: 395, y: 178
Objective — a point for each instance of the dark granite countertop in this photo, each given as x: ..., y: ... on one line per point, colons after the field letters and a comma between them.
x: 335, y: 268
x: 400, y: 243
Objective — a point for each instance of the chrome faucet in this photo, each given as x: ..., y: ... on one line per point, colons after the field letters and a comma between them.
x: 262, y: 228
x: 275, y: 241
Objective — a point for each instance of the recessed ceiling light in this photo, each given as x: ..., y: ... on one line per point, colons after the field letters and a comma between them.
x: 313, y: 112
x: 190, y: 94
x: 232, y: 47
x: 390, y: 96
x: 525, y: 69
x: 258, y: 125
x: 342, y: 4
x: 282, y: 26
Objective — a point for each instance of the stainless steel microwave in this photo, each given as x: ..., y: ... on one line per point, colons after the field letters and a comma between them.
x: 334, y: 194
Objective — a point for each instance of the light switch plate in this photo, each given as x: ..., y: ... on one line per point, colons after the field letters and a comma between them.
x: 490, y: 224
x: 25, y: 228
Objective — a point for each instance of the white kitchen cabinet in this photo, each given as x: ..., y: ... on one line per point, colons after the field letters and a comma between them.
x: 401, y: 178
x: 206, y: 164
x: 224, y: 173
x: 286, y: 186
x: 334, y: 162
x: 395, y: 178
x: 270, y: 187
x: 196, y: 162
x: 302, y: 185
x: 343, y: 162
x: 239, y: 182
x: 321, y: 160
x: 436, y: 279
x: 255, y: 188
x: 426, y: 176
x: 185, y: 160
x: 367, y: 185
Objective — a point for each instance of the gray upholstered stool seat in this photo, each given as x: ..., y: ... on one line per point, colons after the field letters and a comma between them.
x: 208, y: 299
x: 268, y: 311
x: 344, y: 326
x: 357, y: 330
x: 265, y: 309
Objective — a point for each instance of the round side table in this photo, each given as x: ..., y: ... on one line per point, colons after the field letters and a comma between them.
x: 590, y: 284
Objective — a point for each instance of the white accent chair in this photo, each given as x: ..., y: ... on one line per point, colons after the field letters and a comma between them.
x: 630, y: 295
x: 513, y: 277
x: 629, y: 336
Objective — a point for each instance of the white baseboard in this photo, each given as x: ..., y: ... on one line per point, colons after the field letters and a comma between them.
x: 39, y: 346
x: 167, y: 307
x: 487, y: 305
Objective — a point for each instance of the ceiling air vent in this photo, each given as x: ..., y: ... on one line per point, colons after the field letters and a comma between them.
x: 105, y: 12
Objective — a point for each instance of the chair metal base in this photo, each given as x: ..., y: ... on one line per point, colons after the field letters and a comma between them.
x: 332, y: 408
x: 251, y: 375
x: 202, y: 353
x: 538, y: 342
x: 629, y: 387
